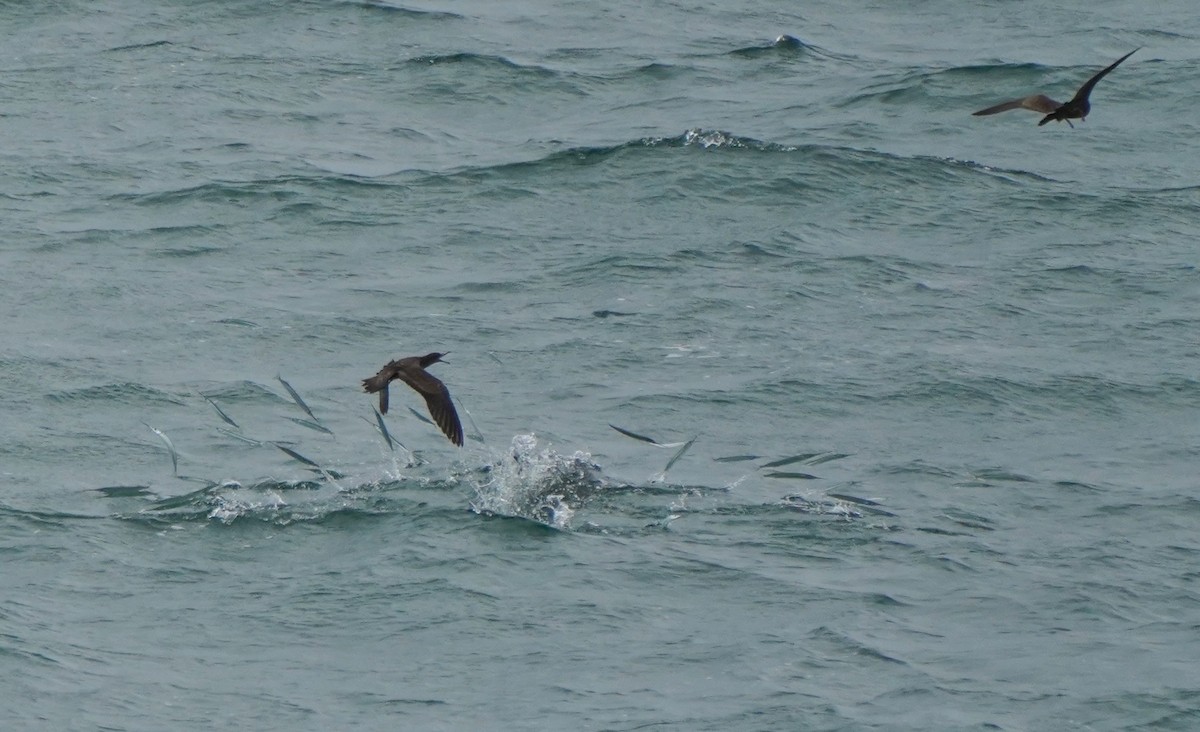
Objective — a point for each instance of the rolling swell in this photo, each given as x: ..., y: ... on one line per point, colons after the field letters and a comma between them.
x: 125, y: 393
x: 482, y: 61
x: 811, y: 167
x: 468, y: 76
x: 403, y: 12
x: 838, y: 161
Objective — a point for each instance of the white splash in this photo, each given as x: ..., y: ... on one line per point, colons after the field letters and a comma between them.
x: 540, y: 486
x: 229, y: 507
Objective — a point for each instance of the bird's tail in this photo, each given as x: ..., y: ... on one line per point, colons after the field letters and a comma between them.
x: 374, y: 384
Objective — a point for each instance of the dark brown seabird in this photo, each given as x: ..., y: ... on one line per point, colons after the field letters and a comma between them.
x: 412, y: 371
x: 1077, y: 108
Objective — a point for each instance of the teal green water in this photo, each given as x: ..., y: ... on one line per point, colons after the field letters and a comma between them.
x: 925, y: 383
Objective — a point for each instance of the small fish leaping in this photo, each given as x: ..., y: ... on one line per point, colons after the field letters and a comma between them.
x: 412, y: 371
x: 1077, y: 108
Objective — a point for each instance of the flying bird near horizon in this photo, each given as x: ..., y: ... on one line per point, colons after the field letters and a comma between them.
x: 1077, y: 108
x: 412, y: 371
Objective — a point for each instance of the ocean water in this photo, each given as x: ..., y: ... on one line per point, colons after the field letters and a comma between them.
x: 923, y: 385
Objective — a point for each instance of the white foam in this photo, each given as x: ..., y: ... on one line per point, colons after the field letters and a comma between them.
x: 537, y: 485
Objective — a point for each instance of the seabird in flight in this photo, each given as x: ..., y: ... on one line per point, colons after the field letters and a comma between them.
x: 1077, y: 108
x: 412, y: 371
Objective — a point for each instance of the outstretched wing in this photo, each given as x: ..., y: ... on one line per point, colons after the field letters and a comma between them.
x: 1038, y: 103
x: 437, y: 398
x: 1086, y: 90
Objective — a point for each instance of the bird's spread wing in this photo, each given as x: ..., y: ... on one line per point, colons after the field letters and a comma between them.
x: 1086, y: 90
x: 445, y: 415
x: 383, y: 399
x: 437, y: 398
x: 1037, y: 103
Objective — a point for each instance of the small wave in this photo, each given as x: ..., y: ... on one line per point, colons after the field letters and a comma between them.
x: 994, y: 68
x: 657, y: 70
x: 43, y: 518
x: 1089, y: 394
x: 280, y: 191
x: 481, y: 60
x: 784, y: 45
x: 356, y: 166
x: 186, y: 252
x: 712, y: 139
x: 582, y: 156
x: 924, y: 87
x: 139, y: 46
x: 716, y: 139
x: 239, y: 322
x: 124, y: 491
x: 245, y: 390
x: 841, y: 644
x: 838, y: 505
x: 270, y: 501
x: 123, y: 393
x: 405, y: 12
x: 492, y: 79
x: 874, y: 168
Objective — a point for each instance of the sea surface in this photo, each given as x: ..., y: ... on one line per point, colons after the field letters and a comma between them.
x: 908, y: 400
